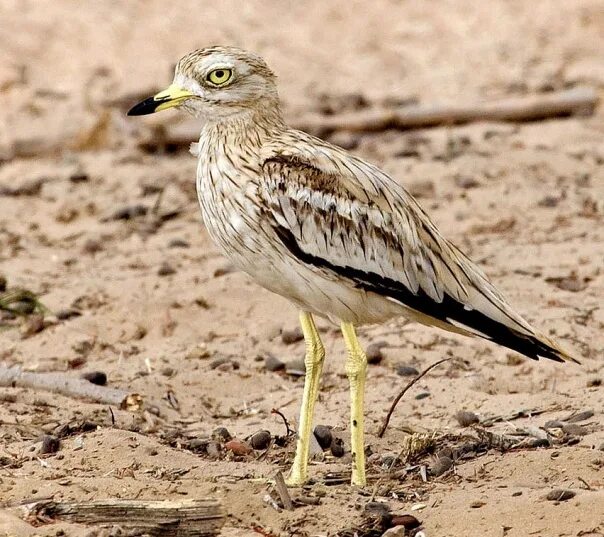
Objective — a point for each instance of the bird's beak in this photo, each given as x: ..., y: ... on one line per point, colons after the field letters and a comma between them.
x: 172, y: 96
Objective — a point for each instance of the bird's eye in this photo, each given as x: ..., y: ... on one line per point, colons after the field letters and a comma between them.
x: 219, y: 77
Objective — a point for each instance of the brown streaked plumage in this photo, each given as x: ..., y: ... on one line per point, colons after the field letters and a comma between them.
x: 326, y: 229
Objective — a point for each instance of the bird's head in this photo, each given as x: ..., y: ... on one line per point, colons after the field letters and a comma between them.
x: 216, y: 82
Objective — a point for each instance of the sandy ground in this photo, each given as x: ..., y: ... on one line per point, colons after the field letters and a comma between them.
x: 162, y: 313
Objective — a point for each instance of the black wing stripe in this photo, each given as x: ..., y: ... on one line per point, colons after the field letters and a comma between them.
x: 449, y: 308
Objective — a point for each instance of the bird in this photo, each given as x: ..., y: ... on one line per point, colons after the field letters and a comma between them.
x: 329, y: 231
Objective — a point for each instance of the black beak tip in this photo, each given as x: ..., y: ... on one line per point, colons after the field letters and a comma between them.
x: 145, y: 107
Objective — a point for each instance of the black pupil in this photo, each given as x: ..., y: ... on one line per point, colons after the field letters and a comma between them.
x: 219, y: 74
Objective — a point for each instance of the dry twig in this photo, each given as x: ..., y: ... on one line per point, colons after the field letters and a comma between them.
x: 404, y: 391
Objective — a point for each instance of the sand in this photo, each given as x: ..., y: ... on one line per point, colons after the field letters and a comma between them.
x: 161, y: 311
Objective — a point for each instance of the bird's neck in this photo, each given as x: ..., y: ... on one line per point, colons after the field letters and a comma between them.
x: 247, y: 125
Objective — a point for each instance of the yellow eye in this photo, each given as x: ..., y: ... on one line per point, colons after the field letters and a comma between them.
x: 219, y: 77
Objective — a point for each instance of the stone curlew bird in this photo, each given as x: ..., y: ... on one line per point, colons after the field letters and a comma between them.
x: 328, y: 230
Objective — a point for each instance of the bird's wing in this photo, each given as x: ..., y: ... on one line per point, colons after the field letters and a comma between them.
x: 344, y: 215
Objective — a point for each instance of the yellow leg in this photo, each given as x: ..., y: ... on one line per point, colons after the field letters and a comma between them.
x: 315, y: 353
x: 356, y: 369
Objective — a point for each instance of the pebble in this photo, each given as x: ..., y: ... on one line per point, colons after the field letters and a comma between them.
x: 574, y: 429
x: 224, y: 363
x: 465, y: 181
x: 3, y: 283
x: 406, y: 370
x: 260, y: 439
x: 466, y: 418
x: 165, y: 269
x: 92, y: 246
x: 79, y: 177
x: 594, y: 383
x: 297, y: 368
x: 168, y: 371
x: 289, y: 336
x: 179, y: 243
x: 96, y: 377
x: 213, y: 450
x: 579, y: 416
x: 222, y: 271
x: 553, y: 424
x: 129, y: 212
x: 396, y: 531
x: 374, y: 353
x: 199, y: 445
x: 67, y: 313
x: 238, y: 447
x: 538, y: 442
x: 323, y: 435
x: 32, y: 325
x: 560, y: 495
x: 407, y: 521
x: 422, y: 395
x: 440, y: 466
x: 272, y: 363
x: 337, y: 447
x: 221, y: 434
x: 50, y: 444
x: 601, y: 447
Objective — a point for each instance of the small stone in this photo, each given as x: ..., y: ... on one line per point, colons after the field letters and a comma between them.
x: 79, y: 177
x: 538, y: 443
x: 260, y: 439
x: 96, y: 377
x: 296, y: 368
x: 92, y: 246
x: 594, y: 383
x: 199, y: 445
x: 3, y: 283
x: 224, y: 363
x: 574, y: 429
x: 601, y: 447
x: 560, y: 495
x: 440, y: 466
x: 406, y: 370
x: 466, y: 418
x: 323, y: 435
x: 128, y: 212
x: 395, y: 531
x: 225, y: 269
x: 238, y: 447
x: 67, y: 313
x: 272, y: 363
x: 168, y: 371
x: 292, y: 336
x: 50, y: 444
x: 477, y: 504
x: 221, y: 434
x: 374, y: 353
x: 422, y: 395
x: 579, y: 416
x: 407, y: 521
x: 553, y: 424
x: 32, y: 325
x: 179, y: 243
x: 377, y: 508
x: 213, y: 450
x: 337, y: 447
x: 465, y: 181
x: 165, y: 269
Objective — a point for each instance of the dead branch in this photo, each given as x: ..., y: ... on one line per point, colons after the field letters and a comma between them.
x: 58, y: 382
x: 281, y: 489
x: 576, y: 101
x: 183, y: 518
x: 404, y: 391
